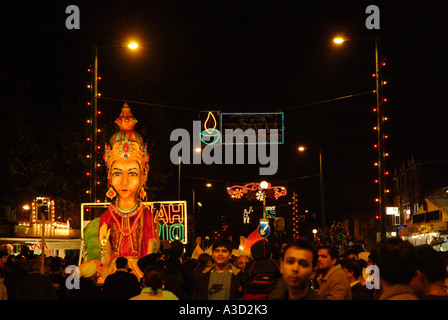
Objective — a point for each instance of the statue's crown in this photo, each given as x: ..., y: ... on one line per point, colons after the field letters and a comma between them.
x: 126, y: 143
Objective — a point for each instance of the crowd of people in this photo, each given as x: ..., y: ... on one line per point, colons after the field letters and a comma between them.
x: 296, y: 271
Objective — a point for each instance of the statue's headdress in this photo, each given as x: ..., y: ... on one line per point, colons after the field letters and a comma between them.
x: 126, y: 144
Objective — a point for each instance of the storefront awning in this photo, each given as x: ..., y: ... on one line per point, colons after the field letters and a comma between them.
x: 50, y: 244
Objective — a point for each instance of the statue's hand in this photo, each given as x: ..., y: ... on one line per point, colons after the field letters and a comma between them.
x: 104, y: 234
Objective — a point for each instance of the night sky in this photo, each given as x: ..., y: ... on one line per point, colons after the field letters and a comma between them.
x: 242, y: 56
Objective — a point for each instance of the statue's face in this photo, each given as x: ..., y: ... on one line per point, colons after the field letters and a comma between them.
x: 126, y: 178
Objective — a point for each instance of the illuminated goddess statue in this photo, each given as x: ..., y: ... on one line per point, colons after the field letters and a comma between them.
x: 127, y: 228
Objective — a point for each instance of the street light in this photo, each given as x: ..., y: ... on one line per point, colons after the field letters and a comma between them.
x: 133, y: 45
x: 322, y: 200
x: 94, y: 118
x: 338, y: 40
x: 380, y: 131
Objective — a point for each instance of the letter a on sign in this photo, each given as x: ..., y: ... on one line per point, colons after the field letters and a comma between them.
x: 373, y: 21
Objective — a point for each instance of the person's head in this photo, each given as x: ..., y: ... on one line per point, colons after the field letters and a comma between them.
x: 153, y: 277
x: 351, y: 254
x: 396, y: 260
x: 261, y: 250
x: 296, y: 264
x: 241, y: 262
x: 34, y: 265
x: 204, y: 260
x: 3, y: 257
x: 372, y: 258
x: 88, y: 270
x: 431, y: 269
x: 56, y: 265
x: 121, y: 262
x: 353, y: 269
x: 221, y: 252
x: 177, y: 249
x: 327, y: 256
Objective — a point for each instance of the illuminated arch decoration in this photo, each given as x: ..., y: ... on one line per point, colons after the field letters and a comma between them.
x: 253, y: 191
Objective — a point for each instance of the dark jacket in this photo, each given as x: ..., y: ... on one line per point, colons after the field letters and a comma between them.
x: 262, y: 273
x: 310, y: 295
x: 88, y: 290
x: 121, y: 285
x: 200, y: 291
x: 35, y: 286
x: 360, y: 292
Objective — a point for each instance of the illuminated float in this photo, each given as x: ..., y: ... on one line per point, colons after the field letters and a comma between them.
x: 127, y: 228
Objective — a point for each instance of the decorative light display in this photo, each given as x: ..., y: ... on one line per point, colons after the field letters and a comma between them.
x: 381, y: 118
x: 92, y: 138
x: 246, y: 215
x: 171, y: 217
x: 271, y: 212
x: 252, y: 121
x: 295, y: 216
x: 253, y: 191
x: 45, y: 205
x: 210, y: 130
x: 223, y: 231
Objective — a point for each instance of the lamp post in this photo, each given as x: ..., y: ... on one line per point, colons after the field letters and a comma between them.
x: 380, y: 131
x: 380, y: 125
x: 322, y: 195
x: 264, y: 185
x: 179, y: 169
x: 94, y: 117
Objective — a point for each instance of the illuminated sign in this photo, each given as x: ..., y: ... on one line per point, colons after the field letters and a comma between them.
x: 255, y: 127
x: 42, y: 206
x: 172, y: 219
x: 392, y: 211
x: 270, y: 212
x: 253, y: 191
x: 264, y: 229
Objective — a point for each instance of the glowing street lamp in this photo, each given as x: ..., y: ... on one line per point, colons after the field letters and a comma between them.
x: 94, y: 118
x: 133, y: 45
x: 380, y: 131
x: 338, y: 40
